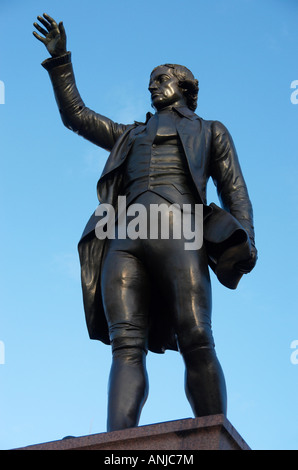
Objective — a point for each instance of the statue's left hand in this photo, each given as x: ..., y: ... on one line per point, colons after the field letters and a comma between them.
x: 247, y: 265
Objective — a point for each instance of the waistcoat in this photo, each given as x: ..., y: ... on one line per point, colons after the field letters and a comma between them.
x: 157, y: 163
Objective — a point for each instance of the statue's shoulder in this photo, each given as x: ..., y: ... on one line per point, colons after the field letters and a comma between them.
x: 215, y: 127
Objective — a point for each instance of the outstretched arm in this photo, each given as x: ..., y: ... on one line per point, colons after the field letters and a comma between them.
x: 99, y: 129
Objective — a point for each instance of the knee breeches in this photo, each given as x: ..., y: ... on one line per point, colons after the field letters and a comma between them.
x: 128, y: 269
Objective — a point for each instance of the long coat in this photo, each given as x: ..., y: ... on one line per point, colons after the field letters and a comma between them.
x: 209, y: 151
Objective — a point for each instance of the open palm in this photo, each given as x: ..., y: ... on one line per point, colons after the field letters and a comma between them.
x: 53, y: 35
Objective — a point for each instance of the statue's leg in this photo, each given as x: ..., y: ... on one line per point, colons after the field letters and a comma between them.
x: 204, y: 382
x: 128, y: 388
x: 204, y: 379
x: 125, y: 297
x: 187, y: 284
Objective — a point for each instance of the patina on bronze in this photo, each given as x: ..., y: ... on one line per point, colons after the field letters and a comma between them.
x: 152, y: 294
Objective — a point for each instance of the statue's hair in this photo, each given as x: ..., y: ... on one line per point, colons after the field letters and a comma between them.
x: 186, y: 82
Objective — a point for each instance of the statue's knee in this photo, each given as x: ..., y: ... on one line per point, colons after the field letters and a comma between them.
x: 128, y: 346
x: 200, y: 337
x: 128, y: 335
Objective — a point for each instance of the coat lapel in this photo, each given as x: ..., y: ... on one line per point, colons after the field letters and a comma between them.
x: 123, y: 146
x: 192, y: 135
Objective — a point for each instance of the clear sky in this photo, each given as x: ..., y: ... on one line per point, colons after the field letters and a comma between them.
x: 53, y: 378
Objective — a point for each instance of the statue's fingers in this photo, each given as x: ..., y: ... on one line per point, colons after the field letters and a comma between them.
x: 50, y: 20
x: 61, y: 29
x: 40, y: 38
x: 40, y: 29
x: 45, y: 23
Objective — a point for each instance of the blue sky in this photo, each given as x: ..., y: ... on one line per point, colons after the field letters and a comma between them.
x: 53, y: 381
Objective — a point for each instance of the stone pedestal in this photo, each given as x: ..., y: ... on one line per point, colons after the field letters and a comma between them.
x: 206, y: 433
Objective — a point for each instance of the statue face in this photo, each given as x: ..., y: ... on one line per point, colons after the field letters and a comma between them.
x: 164, y: 89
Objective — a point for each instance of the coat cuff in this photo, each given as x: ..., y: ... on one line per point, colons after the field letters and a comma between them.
x: 52, y: 62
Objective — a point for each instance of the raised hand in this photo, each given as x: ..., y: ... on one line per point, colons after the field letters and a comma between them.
x: 54, y: 37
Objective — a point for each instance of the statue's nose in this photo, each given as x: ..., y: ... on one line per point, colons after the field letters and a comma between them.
x: 152, y: 87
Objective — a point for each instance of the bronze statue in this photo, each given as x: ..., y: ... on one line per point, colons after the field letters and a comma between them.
x: 151, y: 294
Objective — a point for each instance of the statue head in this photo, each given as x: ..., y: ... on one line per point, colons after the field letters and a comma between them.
x: 173, y: 84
